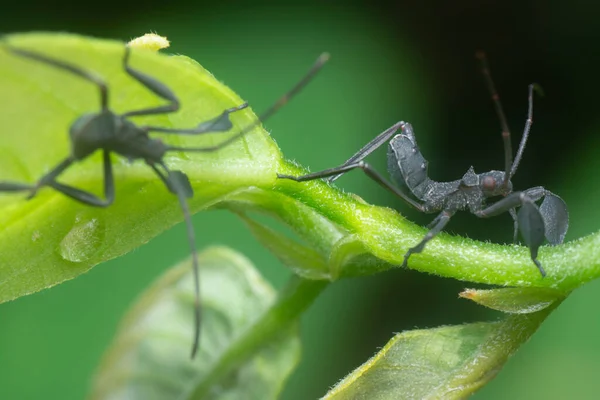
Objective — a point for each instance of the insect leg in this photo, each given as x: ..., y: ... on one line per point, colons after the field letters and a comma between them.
x: 67, y: 67
x: 371, y: 146
x: 440, y: 222
x: 155, y: 86
x: 175, y: 180
x: 283, y: 100
x: 87, y: 197
x: 554, y: 213
x: 176, y: 183
x: 435, y: 221
x: 367, y: 169
x: 529, y: 218
x: 501, y: 116
x: 535, y: 194
x: 556, y: 218
x: 15, y: 187
x: 222, y: 123
x: 51, y: 176
x: 513, y: 214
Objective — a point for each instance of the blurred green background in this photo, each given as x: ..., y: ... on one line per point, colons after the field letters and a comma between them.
x: 412, y: 62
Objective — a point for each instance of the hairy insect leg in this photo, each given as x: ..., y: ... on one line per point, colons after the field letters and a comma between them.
x: 440, y: 222
x: 282, y: 101
x: 221, y: 123
x: 152, y: 84
x: 177, y: 182
x: 67, y: 67
x: 370, y: 147
x: 367, y: 169
x: 513, y: 214
x: 435, y: 221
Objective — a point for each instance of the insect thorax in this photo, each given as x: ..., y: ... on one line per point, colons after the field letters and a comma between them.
x: 106, y: 130
x: 91, y: 132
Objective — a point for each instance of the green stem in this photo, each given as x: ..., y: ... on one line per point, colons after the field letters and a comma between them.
x: 295, y: 297
x: 387, y: 235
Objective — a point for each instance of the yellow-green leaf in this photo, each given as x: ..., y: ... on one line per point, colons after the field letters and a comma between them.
x: 51, y: 238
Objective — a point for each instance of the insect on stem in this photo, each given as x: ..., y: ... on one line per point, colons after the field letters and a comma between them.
x: 473, y: 192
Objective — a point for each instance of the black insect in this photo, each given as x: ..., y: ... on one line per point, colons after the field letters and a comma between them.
x: 408, y: 168
x: 111, y: 132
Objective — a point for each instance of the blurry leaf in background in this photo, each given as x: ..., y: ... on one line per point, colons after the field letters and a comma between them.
x: 149, y: 357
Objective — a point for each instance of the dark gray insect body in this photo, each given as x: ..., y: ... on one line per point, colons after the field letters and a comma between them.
x: 115, y: 133
x: 408, y: 169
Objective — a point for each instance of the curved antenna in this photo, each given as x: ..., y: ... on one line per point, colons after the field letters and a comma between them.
x: 528, y: 124
x: 282, y: 101
x: 485, y: 70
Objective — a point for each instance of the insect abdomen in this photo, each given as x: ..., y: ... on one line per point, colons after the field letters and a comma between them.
x: 406, y: 164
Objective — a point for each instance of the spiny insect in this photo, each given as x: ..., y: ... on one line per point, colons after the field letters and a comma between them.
x: 110, y: 132
x: 408, y: 168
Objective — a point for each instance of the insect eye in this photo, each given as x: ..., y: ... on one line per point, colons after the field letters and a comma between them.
x: 489, y: 183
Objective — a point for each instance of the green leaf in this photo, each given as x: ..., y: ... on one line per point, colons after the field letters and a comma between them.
x: 443, y: 363
x: 149, y: 357
x: 515, y: 300
x: 51, y: 238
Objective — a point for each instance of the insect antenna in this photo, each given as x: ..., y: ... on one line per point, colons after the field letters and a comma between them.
x: 528, y: 124
x: 282, y: 101
x: 485, y: 70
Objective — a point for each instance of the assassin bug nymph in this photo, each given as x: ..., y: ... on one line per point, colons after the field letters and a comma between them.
x: 408, y: 168
x: 111, y: 132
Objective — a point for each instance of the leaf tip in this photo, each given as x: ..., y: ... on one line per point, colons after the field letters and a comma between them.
x: 468, y: 294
